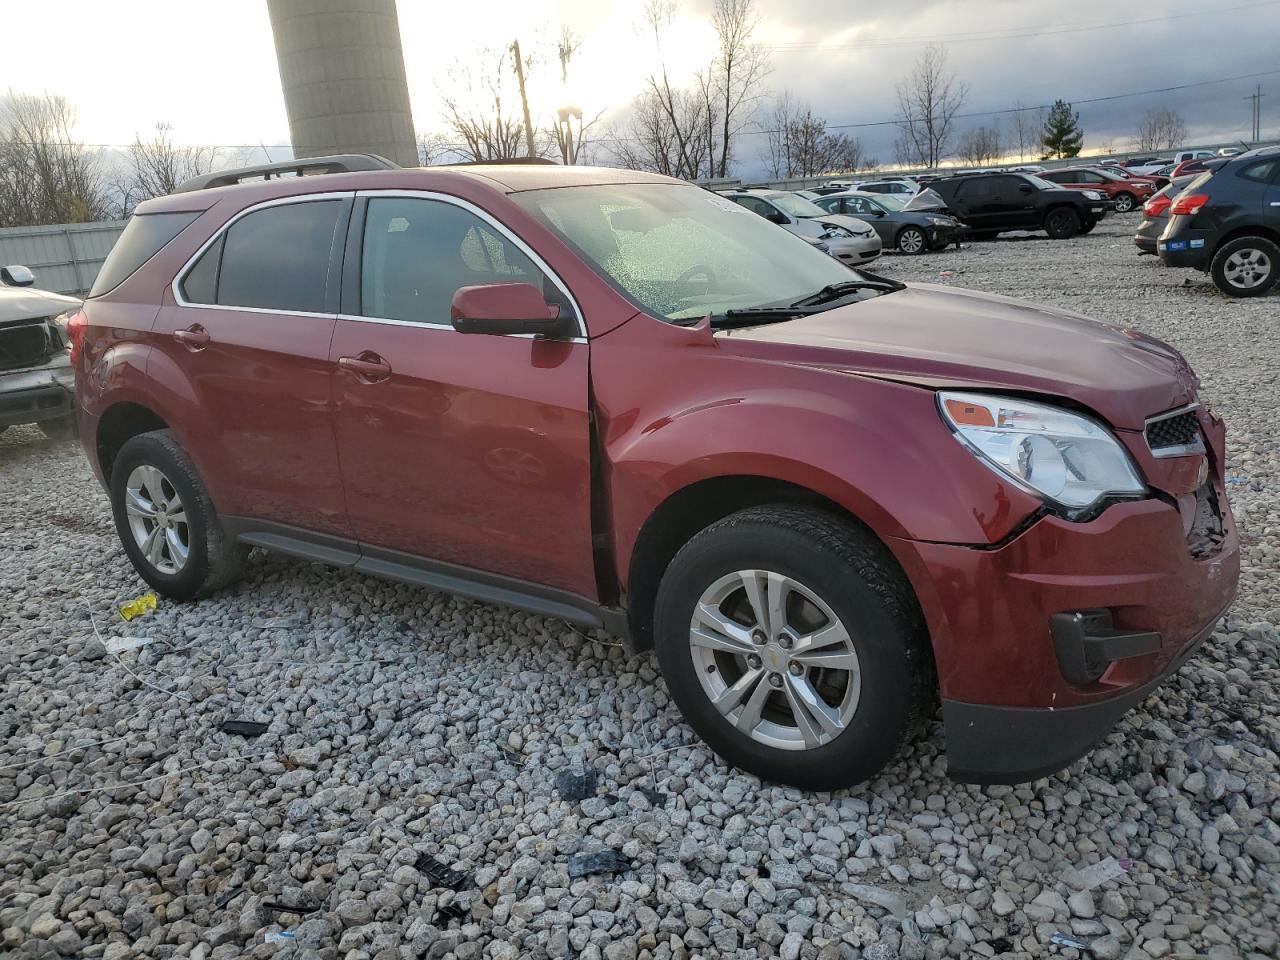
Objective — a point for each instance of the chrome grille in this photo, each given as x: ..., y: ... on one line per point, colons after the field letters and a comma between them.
x: 1175, y: 434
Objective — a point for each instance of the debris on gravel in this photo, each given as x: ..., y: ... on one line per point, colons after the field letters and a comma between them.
x: 402, y: 724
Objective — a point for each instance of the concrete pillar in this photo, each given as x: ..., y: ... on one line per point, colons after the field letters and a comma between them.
x: 342, y: 71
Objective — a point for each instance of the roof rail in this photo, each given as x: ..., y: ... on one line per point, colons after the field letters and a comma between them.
x: 301, y: 167
x: 505, y: 161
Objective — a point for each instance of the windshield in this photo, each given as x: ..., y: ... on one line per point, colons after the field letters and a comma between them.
x: 681, y: 252
x: 795, y: 206
x: 1041, y: 184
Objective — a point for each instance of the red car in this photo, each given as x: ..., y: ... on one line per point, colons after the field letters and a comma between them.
x: 1156, y: 180
x: 826, y: 498
x: 1125, y: 193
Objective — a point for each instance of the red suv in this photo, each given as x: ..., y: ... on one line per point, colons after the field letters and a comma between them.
x: 826, y: 498
x: 1125, y: 193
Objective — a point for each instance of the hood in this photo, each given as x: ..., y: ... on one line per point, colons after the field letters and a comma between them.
x: 25, y: 303
x: 943, y: 337
x: 926, y: 199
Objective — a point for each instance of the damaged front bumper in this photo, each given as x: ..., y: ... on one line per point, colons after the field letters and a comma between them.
x: 38, y: 393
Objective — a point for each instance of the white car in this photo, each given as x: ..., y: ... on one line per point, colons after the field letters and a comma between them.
x: 1230, y: 152
x: 1184, y: 155
x: 901, y: 186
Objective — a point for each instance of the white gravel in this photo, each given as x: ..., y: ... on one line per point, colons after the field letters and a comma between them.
x: 404, y: 722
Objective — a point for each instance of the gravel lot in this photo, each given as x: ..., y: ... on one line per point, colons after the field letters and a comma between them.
x: 404, y: 722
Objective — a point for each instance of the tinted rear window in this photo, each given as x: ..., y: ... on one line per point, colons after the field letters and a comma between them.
x: 277, y: 258
x: 144, y: 236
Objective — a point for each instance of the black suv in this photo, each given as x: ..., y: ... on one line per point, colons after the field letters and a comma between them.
x: 1227, y: 222
x: 993, y: 203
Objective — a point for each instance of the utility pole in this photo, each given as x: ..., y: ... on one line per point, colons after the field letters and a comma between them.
x: 524, y: 99
x: 1256, y: 97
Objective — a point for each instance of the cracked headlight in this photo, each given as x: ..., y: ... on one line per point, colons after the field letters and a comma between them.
x: 832, y: 232
x: 1056, y: 454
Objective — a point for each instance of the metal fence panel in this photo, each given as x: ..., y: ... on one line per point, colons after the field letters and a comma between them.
x: 65, y: 257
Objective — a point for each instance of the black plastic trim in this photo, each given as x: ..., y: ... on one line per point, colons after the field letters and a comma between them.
x: 1086, y: 643
x: 425, y: 572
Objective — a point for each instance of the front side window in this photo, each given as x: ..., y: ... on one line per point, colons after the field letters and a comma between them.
x: 276, y: 258
x: 417, y: 253
x: 679, y: 252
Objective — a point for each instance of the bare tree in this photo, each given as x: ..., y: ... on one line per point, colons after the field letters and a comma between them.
x: 1025, y: 128
x: 156, y: 167
x: 477, y: 117
x: 981, y: 144
x: 569, y: 129
x: 1161, y: 129
x: 46, y: 175
x: 737, y: 74
x: 799, y: 144
x: 433, y: 148
x: 690, y: 131
x: 929, y: 97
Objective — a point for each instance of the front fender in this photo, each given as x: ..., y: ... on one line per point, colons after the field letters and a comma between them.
x: 878, y: 449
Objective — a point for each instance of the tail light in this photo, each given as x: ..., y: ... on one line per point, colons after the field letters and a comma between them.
x: 1156, y: 206
x: 1189, y: 205
x: 75, y: 334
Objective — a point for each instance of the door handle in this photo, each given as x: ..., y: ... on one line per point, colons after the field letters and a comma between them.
x: 1275, y: 203
x: 369, y: 367
x: 195, y: 337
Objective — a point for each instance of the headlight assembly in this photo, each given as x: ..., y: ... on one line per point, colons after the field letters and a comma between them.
x: 1058, y: 455
x: 833, y: 232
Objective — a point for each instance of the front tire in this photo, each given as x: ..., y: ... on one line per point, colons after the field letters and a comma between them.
x: 1246, y: 266
x: 793, y: 645
x: 1125, y: 202
x: 912, y: 240
x: 1062, y: 223
x: 166, y: 521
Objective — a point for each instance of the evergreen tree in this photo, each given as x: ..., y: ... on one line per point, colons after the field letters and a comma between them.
x: 1062, y: 136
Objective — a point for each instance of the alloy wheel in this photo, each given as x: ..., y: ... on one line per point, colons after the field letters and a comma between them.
x: 775, y: 660
x: 1247, y: 268
x: 1124, y: 203
x: 911, y: 241
x: 157, y: 519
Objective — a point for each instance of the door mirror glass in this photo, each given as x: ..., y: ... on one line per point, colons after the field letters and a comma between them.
x: 16, y: 275
x: 505, y: 308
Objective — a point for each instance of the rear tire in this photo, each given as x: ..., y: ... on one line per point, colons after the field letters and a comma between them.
x: 1062, y: 223
x: 166, y: 522
x: 1246, y: 266
x: 834, y: 581
x: 1125, y: 202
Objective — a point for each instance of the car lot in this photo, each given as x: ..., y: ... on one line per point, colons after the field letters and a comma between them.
x: 403, y: 722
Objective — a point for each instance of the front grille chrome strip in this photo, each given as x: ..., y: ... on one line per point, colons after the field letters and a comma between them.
x: 1174, y: 450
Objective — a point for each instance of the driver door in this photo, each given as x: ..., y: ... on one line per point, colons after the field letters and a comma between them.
x: 461, y: 453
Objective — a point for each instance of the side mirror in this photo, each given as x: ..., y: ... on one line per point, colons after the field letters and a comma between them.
x: 874, y: 212
x: 505, y: 308
x: 16, y: 275
x: 1025, y: 188
x: 778, y: 217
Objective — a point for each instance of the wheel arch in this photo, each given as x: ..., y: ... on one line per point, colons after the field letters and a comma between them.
x: 1250, y: 230
x: 694, y: 507
x: 117, y: 425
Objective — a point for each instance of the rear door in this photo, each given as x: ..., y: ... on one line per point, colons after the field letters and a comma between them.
x: 248, y: 335
x: 460, y: 452
x: 976, y: 203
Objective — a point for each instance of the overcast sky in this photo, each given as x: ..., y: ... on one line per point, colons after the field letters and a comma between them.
x: 209, y: 68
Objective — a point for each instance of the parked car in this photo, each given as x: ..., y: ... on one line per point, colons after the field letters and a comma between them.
x: 807, y: 194
x: 36, y: 379
x: 847, y: 239
x: 1157, y: 180
x: 1029, y: 168
x: 1182, y: 156
x: 1230, y: 152
x: 1144, y: 165
x: 1155, y: 214
x: 1125, y: 194
x: 909, y: 231
x: 825, y: 498
x: 901, y: 188
x: 1227, y: 221
x: 991, y: 204
x: 1188, y: 167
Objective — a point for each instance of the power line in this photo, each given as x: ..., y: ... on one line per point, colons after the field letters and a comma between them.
x: 808, y: 46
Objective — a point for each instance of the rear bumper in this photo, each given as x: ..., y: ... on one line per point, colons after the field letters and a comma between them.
x: 36, y: 394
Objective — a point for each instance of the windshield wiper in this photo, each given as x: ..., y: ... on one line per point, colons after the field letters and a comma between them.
x: 755, y: 316
x: 834, y: 291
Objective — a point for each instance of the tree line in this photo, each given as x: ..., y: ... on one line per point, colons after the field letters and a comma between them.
x: 693, y: 129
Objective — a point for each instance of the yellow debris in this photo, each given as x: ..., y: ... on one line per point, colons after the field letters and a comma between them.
x: 136, y: 608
